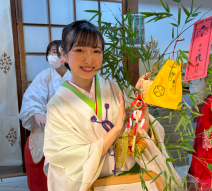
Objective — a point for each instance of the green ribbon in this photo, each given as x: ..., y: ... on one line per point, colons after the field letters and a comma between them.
x: 86, y: 99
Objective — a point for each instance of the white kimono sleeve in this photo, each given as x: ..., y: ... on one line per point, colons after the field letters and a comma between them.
x: 34, y: 101
x: 74, y: 161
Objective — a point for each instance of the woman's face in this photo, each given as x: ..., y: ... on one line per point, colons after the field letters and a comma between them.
x: 84, y: 61
x: 53, y: 51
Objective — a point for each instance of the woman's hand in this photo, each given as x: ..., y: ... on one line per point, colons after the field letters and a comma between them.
x: 145, y: 77
x: 112, y: 135
x: 40, y: 120
x: 121, y: 113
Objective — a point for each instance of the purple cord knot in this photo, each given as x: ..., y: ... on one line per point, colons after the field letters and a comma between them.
x: 107, y: 106
x: 93, y: 119
x: 106, y: 124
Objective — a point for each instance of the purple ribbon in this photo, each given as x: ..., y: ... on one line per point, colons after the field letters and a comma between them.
x: 104, y: 124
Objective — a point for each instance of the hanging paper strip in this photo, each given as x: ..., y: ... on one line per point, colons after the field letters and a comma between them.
x: 199, y: 51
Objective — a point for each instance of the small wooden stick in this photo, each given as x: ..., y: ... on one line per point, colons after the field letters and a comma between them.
x: 142, y: 88
x: 135, y: 130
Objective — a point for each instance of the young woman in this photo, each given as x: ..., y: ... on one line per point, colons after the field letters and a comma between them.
x: 33, y: 112
x: 75, y: 145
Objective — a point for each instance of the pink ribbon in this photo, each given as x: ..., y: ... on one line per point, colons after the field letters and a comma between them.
x: 175, y: 47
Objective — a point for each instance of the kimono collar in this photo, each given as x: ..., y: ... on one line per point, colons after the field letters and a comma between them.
x: 90, y: 94
x: 97, y: 105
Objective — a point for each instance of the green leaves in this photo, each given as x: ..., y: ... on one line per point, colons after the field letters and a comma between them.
x: 179, y: 16
x: 194, y: 103
x: 174, y: 24
x: 186, y: 11
x: 184, y: 55
x: 192, y: 5
x: 156, y: 177
x: 177, y: 1
x: 152, y: 159
x: 210, y: 166
x: 166, y: 141
x: 165, y: 7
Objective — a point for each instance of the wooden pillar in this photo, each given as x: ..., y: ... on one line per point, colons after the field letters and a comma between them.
x: 133, y: 6
x: 19, y: 64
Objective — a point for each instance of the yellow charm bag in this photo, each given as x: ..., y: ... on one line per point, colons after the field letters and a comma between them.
x: 166, y: 89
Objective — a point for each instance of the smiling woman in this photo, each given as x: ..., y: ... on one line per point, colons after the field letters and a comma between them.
x: 77, y: 141
x: 82, y: 48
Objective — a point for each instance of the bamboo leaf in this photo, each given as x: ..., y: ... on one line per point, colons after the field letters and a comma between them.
x: 167, y: 7
x: 184, y: 56
x: 170, y: 160
x: 197, y: 8
x: 208, y: 92
x: 189, y: 20
x: 194, y: 103
x: 192, y: 5
x: 210, y: 166
x: 179, y: 16
x: 93, y: 17
x: 189, y: 146
x: 179, y: 146
x: 179, y: 153
x: 93, y: 11
x: 199, y: 99
x: 178, y: 124
x: 172, y: 175
x: 156, y: 177
x: 163, y: 5
x: 186, y: 11
x: 147, y: 173
x: 195, y: 14
x: 170, y: 115
x: 178, y: 1
x: 174, y: 24
x: 152, y: 159
x: 181, y: 103
x: 173, y: 32
x: 168, y: 152
x: 166, y: 141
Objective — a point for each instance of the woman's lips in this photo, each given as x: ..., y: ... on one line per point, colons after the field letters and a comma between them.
x: 87, y: 69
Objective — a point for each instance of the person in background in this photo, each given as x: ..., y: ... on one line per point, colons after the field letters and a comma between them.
x: 33, y: 111
x: 202, y: 143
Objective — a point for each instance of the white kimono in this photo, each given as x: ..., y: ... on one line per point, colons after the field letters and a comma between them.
x: 73, y: 143
x: 37, y: 95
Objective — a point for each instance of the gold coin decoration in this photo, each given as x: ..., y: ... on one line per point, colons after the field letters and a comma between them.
x: 140, y: 143
x: 130, y: 138
x: 121, y: 150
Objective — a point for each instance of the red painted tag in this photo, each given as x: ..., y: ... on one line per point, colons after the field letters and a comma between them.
x: 199, y: 51
x: 135, y: 129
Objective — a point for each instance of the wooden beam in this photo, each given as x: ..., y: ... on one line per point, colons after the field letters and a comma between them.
x: 75, y: 13
x: 35, y: 53
x: 42, y: 25
x: 124, y: 7
x: 49, y: 19
x: 18, y: 75
x: 21, y: 45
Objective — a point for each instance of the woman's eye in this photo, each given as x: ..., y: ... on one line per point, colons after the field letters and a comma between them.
x: 79, y: 50
x: 97, y: 51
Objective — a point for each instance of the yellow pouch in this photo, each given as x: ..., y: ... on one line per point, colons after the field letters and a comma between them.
x: 166, y: 89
